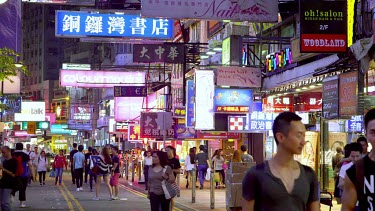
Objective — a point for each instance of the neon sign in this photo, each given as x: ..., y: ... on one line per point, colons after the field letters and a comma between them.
x: 279, y: 60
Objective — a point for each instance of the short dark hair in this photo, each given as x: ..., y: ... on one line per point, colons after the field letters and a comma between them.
x: 19, y: 146
x: 163, y: 158
x: 173, y: 149
x: 362, y: 138
x: 89, y: 149
x: 282, y: 123
x: 115, y: 148
x: 80, y: 148
x: 74, y: 145
x: 370, y: 115
x: 354, y: 147
x: 243, y: 148
x: 201, y: 147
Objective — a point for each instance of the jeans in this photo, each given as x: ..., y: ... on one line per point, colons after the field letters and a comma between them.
x: 145, y: 171
x: 22, y: 193
x: 58, y: 173
x: 87, y: 169
x: 72, y: 172
x: 78, y: 174
x: 6, y: 203
x: 222, y: 176
x: 202, y: 169
x: 92, y: 177
x: 42, y: 176
x: 158, y: 201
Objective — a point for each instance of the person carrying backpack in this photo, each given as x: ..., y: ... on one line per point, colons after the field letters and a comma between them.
x: 8, y: 179
x: 24, y: 165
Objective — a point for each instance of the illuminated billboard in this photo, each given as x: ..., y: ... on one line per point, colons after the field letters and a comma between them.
x: 204, y: 94
x: 100, y: 79
x: 128, y: 108
x: 67, y: 2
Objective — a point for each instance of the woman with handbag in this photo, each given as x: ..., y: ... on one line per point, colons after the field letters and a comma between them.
x: 58, y: 165
x: 104, y: 170
x: 218, y: 161
x: 189, y: 165
x: 93, y: 161
x: 159, y: 173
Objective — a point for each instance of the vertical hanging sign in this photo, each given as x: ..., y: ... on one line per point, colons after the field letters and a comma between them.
x: 331, y: 98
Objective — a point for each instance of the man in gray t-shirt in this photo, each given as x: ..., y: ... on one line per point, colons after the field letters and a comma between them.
x: 282, y: 183
x: 246, y: 158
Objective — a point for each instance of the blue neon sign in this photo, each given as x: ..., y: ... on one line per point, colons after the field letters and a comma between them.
x: 82, y: 24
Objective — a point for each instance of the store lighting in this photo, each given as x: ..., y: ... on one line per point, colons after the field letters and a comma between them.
x: 18, y: 65
x: 285, y: 93
x: 218, y: 49
x: 298, y: 90
x: 318, y: 84
x: 304, y: 88
x: 204, y: 57
x: 210, y: 53
x: 3, y: 1
x: 312, y: 86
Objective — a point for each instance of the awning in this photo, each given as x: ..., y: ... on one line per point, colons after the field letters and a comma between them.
x: 297, y: 73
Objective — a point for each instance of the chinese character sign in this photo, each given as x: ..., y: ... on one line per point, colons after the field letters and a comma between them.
x: 150, y: 127
x: 81, y: 24
x: 81, y: 112
x: 233, y: 100
x: 134, y: 132
x: 190, y: 103
x: 355, y: 124
x: 260, y: 121
x: 168, y: 53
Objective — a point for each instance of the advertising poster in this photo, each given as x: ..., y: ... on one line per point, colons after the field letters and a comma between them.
x: 233, y: 100
x: 331, y: 98
x: 190, y: 102
x: 323, y: 26
x: 348, y: 94
x: 309, y: 156
x: 10, y: 24
x: 335, y: 139
x: 204, y: 98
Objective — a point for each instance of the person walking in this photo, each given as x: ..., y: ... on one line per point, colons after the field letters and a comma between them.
x: 175, y: 165
x: 359, y: 178
x: 203, y: 164
x: 104, y: 163
x: 282, y: 183
x: 147, y: 166
x: 27, y: 167
x: 245, y: 157
x: 74, y: 151
x: 8, y: 179
x: 34, y: 159
x: 87, y: 162
x: 189, y: 165
x: 155, y: 178
x: 94, y: 160
x: 115, y: 173
x: 336, y: 166
x: 58, y: 165
x: 42, y: 167
x: 78, y: 164
x: 31, y: 155
x: 218, y: 161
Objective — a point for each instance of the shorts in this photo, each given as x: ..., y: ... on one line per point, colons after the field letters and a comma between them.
x: 114, y: 179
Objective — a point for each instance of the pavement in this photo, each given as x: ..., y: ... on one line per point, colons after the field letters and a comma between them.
x: 132, y: 198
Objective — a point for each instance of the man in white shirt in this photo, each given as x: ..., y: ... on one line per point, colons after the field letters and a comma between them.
x: 355, y: 153
x: 147, y: 165
x: 34, y: 160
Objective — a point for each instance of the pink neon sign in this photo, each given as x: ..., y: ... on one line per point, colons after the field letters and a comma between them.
x: 128, y: 108
x: 100, y: 79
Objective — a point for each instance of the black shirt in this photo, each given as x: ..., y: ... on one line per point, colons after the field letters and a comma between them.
x: 7, y: 181
x: 369, y: 172
x: 174, y: 163
x: 269, y: 192
x: 74, y: 151
x: 115, y: 159
x: 87, y: 159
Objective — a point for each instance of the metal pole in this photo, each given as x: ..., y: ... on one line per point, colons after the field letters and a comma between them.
x: 133, y: 169
x: 193, y: 181
x: 212, y: 192
x: 127, y: 169
x: 140, y: 172
x: 178, y: 183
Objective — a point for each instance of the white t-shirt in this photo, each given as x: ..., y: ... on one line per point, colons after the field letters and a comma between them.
x: 148, y: 161
x: 344, y: 168
x: 218, y: 162
x: 42, y: 163
x: 188, y: 165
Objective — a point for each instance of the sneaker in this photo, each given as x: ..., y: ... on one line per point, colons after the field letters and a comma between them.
x: 114, y: 198
x: 22, y: 205
x: 44, y: 183
x: 110, y: 199
x: 77, y: 190
x: 80, y: 189
x: 96, y: 199
x: 40, y: 184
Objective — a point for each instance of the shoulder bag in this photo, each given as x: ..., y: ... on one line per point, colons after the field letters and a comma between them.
x: 169, y: 189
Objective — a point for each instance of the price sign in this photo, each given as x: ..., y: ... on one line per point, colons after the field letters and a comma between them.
x: 331, y: 98
x: 348, y: 94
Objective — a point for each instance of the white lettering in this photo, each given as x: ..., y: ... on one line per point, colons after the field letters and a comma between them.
x: 324, y: 42
x: 369, y: 200
x: 370, y: 186
x: 100, y: 79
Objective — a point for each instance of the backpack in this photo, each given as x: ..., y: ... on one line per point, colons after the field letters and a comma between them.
x: 22, y: 168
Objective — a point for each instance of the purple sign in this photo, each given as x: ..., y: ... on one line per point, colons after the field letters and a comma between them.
x: 168, y: 53
x: 10, y: 25
x: 183, y: 132
x: 100, y: 79
x: 190, y: 101
x: 130, y: 91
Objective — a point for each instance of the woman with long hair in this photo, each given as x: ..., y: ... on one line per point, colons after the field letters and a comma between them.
x: 157, y: 173
x: 58, y: 165
x: 93, y: 159
x: 237, y: 156
x: 189, y: 165
x: 104, y: 163
x: 42, y: 167
x: 218, y: 162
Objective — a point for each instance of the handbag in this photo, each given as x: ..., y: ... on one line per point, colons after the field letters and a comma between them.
x: 52, y: 174
x: 216, y: 177
x: 169, y: 189
x: 208, y: 174
x: 94, y: 168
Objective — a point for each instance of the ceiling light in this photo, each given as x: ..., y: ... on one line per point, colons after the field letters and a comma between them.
x: 298, y: 90
x: 218, y: 49
x: 204, y: 57
x: 318, y: 84
x: 210, y: 53
x: 312, y: 86
x: 18, y: 65
x: 304, y: 88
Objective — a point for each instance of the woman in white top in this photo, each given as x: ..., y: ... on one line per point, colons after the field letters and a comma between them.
x: 218, y: 161
x: 42, y: 167
x: 189, y: 165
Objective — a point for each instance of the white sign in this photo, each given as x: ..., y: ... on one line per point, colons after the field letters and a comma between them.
x: 31, y: 111
x: 241, y: 10
x: 72, y: 66
x: 204, y: 103
x: 239, y: 76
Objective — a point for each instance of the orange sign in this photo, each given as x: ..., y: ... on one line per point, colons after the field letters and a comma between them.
x: 232, y: 109
x: 348, y: 94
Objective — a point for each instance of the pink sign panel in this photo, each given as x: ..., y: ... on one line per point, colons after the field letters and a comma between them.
x: 100, y: 79
x: 128, y: 108
x: 51, y: 118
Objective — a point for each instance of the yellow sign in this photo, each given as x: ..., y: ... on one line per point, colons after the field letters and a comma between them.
x: 225, y: 55
x: 350, y: 21
x: 31, y: 127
